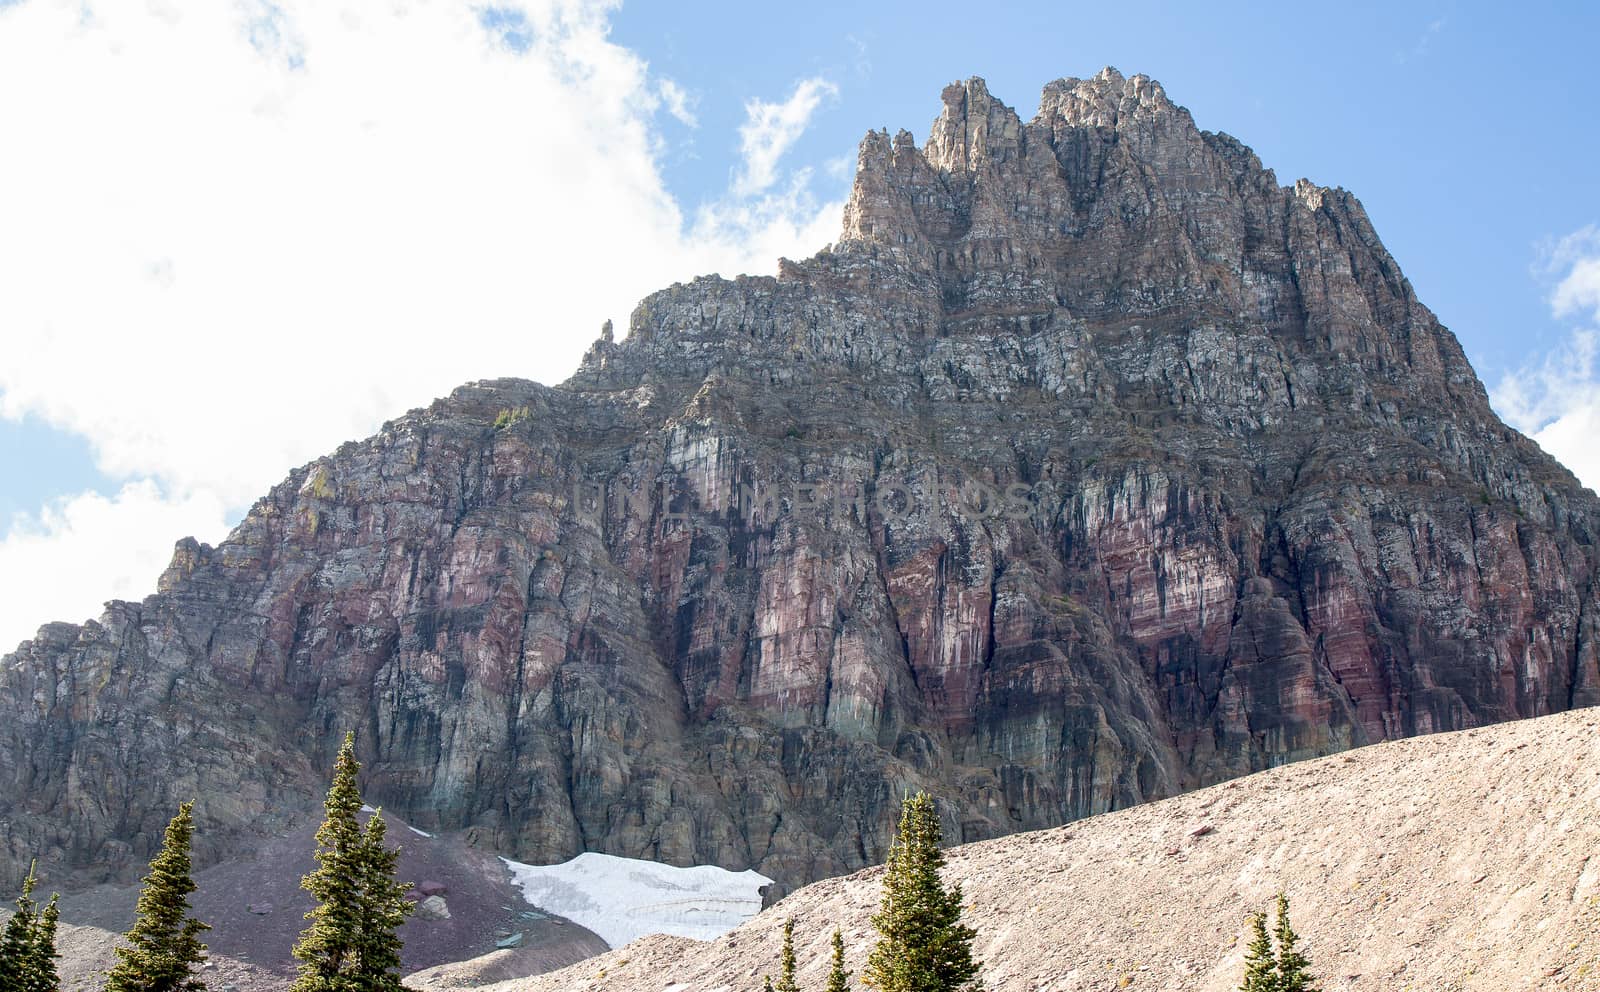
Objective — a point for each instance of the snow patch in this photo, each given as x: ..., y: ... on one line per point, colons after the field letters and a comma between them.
x: 622, y: 899
x: 419, y: 833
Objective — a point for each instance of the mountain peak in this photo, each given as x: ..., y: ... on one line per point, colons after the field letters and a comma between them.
x: 1106, y: 99
x: 978, y: 149
x: 1090, y: 466
x: 973, y: 130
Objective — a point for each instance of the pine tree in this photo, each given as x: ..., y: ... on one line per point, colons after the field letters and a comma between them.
x: 16, y: 940
x: 786, y: 982
x: 922, y: 945
x: 383, y: 908
x: 28, y: 943
x: 1276, y: 969
x: 1260, y: 963
x: 42, y: 975
x: 351, y: 944
x: 838, y: 977
x: 164, y: 945
x: 1294, y: 969
x: 327, y: 948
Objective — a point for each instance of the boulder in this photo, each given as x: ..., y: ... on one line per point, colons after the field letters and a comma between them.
x: 433, y: 908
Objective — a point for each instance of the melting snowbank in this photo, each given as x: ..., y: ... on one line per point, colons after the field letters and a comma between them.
x: 622, y: 899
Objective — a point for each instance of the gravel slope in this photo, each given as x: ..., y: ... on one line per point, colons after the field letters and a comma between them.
x: 1457, y: 861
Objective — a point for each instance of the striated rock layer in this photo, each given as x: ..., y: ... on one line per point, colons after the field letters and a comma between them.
x: 1090, y: 466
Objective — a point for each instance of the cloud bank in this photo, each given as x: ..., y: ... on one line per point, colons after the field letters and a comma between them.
x: 1557, y: 400
x: 237, y: 235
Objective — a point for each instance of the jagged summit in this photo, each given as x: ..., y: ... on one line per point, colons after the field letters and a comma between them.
x: 1088, y: 467
x: 978, y: 137
x: 1108, y: 166
x: 1109, y: 202
x: 1107, y: 99
x: 976, y: 128
x: 1110, y: 206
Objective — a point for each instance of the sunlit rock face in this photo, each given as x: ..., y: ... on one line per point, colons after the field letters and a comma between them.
x: 1089, y: 466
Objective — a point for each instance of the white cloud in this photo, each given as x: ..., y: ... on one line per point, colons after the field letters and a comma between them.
x: 65, y: 561
x: 770, y: 129
x: 237, y: 235
x: 1575, y: 259
x: 863, y: 60
x: 772, y: 225
x: 1424, y: 44
x: 678, y: 102
x: 1557, y: 401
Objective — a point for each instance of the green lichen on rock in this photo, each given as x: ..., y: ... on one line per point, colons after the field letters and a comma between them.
x: 317, y: 483
x: 510, y: 417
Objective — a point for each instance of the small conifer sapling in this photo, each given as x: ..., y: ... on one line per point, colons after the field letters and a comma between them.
x: 838, y: 977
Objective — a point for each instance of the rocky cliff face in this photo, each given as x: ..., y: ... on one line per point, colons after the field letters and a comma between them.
x: 1090, y: 466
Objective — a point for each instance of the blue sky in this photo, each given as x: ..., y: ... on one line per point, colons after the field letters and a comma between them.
x: 244, y: 240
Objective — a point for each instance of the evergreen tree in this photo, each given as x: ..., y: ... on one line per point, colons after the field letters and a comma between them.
x: 922, y: 945
x: 351, y: 944
x: 383, y: 908
x: 17, y: 939
x: 327, y: 949
x: 163, y: 948
x: 1276, y: 969
x: 1260, y: 963
x: 1294, y: 969
x: 786, y: 982
x: 42, y: 975
x: 838, y: 977
x: 28, y: 943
